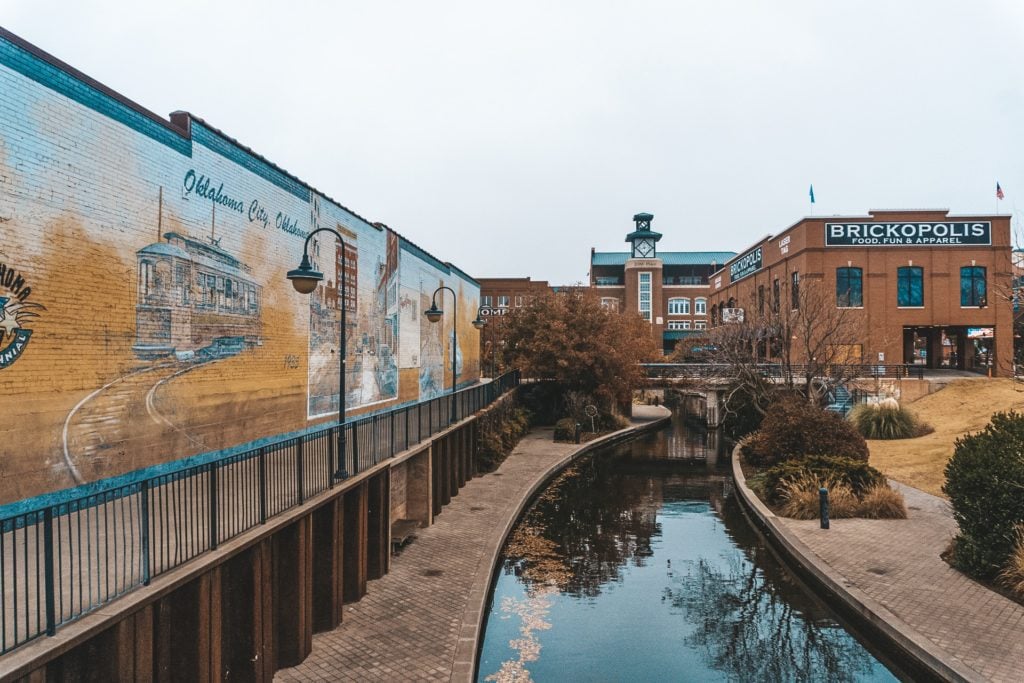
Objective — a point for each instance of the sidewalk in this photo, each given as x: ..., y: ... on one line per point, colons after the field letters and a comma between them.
x: 896, y: 563
x: 421, y: 621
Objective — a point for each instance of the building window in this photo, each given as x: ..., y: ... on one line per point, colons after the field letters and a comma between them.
x: 503, y: 301
x: 972, y: 286
x: 519, y: 300
x: 700, y: 325
x: 679, y: 307
x: 775, y: 296
x: 849, y: 287
x: 910, y: 286
x: 146, y: 278
x: 485, y: 301
x: 700, y: 306
x: 645, y: 296
x: 795, y: 289
x: 678, y: 324
x: 610, y: 303
x: 760, y: 299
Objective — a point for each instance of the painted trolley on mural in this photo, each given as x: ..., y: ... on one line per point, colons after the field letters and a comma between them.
x: 195, y: 300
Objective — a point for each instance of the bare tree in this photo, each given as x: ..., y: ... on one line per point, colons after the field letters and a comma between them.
x: 802, y: 342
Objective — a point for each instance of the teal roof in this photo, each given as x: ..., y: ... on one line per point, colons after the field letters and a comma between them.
x: 669, y: 258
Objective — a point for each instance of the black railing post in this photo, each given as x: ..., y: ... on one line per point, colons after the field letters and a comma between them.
x: 355, y: 447
x: 407, y: 411
x: 262, y: 463
x: 393, y: 439
x: 51, y: 612
x: 213, y: 506
x: 299, y: 469
x: 144, y: 531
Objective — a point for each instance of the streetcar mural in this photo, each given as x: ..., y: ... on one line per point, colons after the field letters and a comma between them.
x: 194, y: 300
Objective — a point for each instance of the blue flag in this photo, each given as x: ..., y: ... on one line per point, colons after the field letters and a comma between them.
x: 812, y: 193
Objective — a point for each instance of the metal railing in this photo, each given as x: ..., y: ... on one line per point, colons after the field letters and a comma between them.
x: 777, y: 371
x: 61, y: 561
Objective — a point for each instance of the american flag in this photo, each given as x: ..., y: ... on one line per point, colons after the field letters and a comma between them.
x: 999, y: 192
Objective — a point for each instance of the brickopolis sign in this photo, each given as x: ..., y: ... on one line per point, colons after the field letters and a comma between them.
x: 745, y: 265
x: 907, y: 234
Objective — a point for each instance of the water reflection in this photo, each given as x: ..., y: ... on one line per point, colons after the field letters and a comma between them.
x: 632, y: 566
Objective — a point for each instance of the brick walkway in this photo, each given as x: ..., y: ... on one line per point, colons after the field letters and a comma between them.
x: 897, y: 563
x: 420, y: 621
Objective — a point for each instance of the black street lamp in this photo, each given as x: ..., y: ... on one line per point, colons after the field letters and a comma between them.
x: 305, y: 280
x: 434, y: 315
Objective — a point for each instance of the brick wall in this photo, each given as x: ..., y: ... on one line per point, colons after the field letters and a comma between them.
x: 147, y: 316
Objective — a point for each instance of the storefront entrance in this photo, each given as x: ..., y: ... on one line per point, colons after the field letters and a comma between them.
x: 953, y: 348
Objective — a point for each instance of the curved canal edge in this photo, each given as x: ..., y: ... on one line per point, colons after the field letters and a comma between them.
x: 464, y: 668
x: 867, y: 614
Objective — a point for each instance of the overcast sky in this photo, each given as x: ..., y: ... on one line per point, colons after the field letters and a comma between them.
x: 509, y: 140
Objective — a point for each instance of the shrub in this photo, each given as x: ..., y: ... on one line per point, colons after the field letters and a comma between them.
x: 794, y: 428
x: 886, y: 420
x: 985, y: 485
x: 499, y: 434
x: 801, y: 500
x: 565, y: 429
x: 1012, y: 575
x: 857, y: 475
x: 881, y: 501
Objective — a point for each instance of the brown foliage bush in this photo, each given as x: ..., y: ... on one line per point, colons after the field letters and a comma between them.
x: 794, y: 428
x: 1012, y: 575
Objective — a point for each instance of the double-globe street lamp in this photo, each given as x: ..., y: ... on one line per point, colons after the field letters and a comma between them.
x: 434, y: 315
x: 305, y: 280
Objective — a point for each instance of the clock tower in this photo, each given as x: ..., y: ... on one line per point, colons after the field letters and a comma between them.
x: 643, y: 275
x: 643, y: 239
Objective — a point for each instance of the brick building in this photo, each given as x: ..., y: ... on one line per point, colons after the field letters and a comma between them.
x: 935, y: 289
x: 668, y: 289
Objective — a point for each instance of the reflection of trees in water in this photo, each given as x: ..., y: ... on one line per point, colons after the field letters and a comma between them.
x: 585, y: 527
x: 751, y: 622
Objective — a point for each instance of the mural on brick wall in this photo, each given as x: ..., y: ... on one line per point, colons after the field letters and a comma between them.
x: 144, y: 311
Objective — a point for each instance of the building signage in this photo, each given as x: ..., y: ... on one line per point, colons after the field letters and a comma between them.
x: 908, y: 234
x: 745, y: 265
x: 495, y: 310
x: 732, y: 315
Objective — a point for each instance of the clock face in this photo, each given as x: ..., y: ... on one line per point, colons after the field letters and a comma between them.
x: 644, y: 247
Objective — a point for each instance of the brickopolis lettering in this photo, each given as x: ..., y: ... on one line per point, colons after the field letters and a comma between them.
x: 906, y: 234
x: 15, y: 311
x: 745, y: 265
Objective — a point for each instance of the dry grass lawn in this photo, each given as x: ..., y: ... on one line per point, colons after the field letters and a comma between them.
x: 963, y: 406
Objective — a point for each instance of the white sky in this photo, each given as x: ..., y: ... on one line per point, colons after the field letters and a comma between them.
x: 510, y: 139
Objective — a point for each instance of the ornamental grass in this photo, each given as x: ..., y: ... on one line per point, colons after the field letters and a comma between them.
x: 800, y: 498
x: 1012, y: 576
x: 881, y: 501
x: 886, y: 420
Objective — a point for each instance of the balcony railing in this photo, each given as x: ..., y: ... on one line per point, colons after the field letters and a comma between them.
x: 61, y: 561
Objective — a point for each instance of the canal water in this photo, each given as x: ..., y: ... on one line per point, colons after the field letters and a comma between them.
x: 637, y: 564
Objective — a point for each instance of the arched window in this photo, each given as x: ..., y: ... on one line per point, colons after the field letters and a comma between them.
x: 679, y: 307
x: 910, y: 286
x: 700, y: 306
x: 849, y: 287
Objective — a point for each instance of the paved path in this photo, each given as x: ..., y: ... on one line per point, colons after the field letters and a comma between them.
x: 897, y: 563
x: 420, y: 621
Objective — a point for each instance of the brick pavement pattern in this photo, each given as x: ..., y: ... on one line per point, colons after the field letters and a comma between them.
x: 897, y: 563
x: 413, y: 622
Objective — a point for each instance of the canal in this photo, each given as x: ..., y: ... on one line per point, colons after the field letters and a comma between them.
x: 637, y: 564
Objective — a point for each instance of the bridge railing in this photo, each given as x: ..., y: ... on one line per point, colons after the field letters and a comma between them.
x: 61, y: 561
x: 778, y: 371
